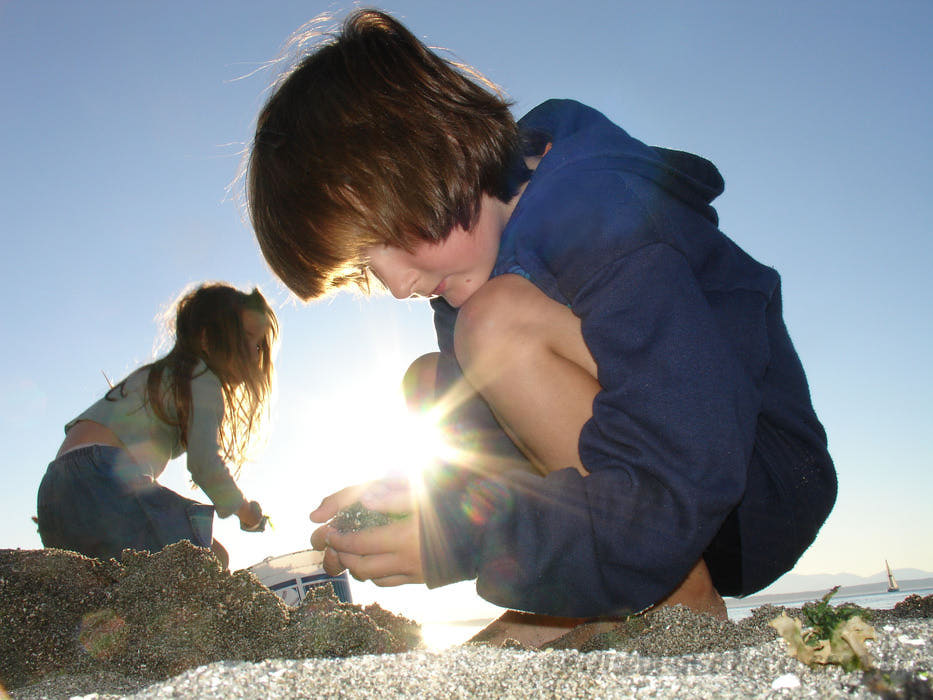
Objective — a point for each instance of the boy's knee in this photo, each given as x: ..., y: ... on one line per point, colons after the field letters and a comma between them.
x: 420, y: 381
x: 500, y: 314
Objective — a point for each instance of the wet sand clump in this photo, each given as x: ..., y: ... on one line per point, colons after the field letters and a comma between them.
x: 356, y: 517
x: 152, y: 616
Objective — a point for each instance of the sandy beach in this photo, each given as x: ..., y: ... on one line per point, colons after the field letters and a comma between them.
x: 172, y: 625
x: 904, y: 649
x: 482, y: 672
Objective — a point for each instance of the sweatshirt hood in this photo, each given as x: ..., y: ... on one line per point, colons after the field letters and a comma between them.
x: 572, y: 126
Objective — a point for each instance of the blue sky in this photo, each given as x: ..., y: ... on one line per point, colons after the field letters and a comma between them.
x: 122, y: 128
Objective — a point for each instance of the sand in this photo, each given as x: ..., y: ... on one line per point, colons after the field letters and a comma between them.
x: 174, y: 625
x: 484, y: 672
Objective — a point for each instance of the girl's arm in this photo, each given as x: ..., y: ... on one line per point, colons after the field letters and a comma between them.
x: 205, y: 453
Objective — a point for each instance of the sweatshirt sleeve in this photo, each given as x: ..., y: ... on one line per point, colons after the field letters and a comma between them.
x: 205, y: 454
x: 666, y: 449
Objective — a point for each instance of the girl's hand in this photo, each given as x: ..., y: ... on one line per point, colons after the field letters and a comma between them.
x: 389, y: 555
x: 251, y: 517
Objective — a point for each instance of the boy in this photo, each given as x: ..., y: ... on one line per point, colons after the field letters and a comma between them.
x: 634, y: 354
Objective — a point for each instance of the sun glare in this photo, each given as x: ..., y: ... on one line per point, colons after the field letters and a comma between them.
x: 412, y: 443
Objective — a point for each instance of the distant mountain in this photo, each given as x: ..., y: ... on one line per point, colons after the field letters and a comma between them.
x: 794, y: 583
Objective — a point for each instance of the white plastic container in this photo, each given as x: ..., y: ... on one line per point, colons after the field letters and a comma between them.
x: 291, y: 576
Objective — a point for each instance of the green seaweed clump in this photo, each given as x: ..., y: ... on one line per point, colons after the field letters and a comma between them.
x: 823, y: 618
x: 832, y: 635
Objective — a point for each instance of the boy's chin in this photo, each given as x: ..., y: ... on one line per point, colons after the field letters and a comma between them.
x: 454, y: 300
x: 457, y: 297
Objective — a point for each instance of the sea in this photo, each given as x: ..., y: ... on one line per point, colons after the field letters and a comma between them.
x: 869, y: 595
x: 439, y: 636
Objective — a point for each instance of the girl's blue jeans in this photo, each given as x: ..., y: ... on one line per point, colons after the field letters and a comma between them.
x: 87, y: 505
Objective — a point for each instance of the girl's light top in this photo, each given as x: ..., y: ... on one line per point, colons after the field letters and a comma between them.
x: 152, y: 442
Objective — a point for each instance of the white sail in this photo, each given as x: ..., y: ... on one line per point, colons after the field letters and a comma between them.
x: 892, y: 582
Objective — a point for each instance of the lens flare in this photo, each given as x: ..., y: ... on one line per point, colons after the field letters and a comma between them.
x: 103, y: 634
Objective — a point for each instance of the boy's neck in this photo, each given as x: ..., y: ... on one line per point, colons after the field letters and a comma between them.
x: 532, y: 163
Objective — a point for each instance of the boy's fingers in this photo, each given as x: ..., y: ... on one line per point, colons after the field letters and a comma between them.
x: 397, y: 580
x: 336, y: 502
x: 319, y: 537
x: 389, y: 555
x: 373, y: 540
x: 387, y: 568
x: 332, y: 563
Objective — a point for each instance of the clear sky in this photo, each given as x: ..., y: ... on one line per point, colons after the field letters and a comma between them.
x: 122, y: 126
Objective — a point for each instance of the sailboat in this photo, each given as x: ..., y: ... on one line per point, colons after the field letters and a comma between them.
x: 892, y: 582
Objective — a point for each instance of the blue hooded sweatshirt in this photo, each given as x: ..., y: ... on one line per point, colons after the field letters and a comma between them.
x: 703, y: 437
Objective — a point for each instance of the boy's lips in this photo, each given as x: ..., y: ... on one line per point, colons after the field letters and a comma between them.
x: 439, y: 289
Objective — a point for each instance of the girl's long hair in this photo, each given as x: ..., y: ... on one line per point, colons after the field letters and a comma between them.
x: 209, y: 327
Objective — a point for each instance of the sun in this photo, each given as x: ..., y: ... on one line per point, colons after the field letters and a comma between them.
x: 411, y: 443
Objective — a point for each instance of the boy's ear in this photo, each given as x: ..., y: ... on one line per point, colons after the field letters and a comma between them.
x: 204, y: 347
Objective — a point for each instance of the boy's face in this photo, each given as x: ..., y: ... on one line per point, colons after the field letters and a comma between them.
x: 453, y: 269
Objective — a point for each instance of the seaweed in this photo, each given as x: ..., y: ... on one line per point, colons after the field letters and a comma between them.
x: 832, y: 635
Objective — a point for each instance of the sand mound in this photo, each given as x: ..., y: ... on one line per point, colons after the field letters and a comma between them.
x: 153, y: 616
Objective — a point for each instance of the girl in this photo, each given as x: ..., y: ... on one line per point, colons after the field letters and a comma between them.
x: 584, y: 293
x: 206, y: 397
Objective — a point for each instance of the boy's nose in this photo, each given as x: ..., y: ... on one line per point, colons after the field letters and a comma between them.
x: 398, y: 279
x: 401, y: 287
x: 398, y: 292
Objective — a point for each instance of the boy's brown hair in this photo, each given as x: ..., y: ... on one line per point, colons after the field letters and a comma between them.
x: 372, y: 139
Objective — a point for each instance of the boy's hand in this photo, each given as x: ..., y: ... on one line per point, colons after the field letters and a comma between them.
x: 389, y: 555
x: 336, y: 502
